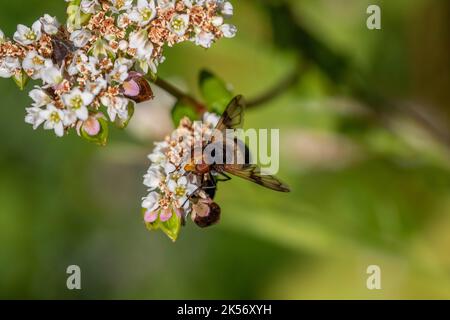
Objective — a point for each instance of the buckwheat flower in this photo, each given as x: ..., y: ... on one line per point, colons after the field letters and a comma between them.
x: 116, y: 107
x: 95, y: 87
x: 179, y: 24
x: 33, y: 64
x: 34, y: 117
x: 167, y: 213
x: 150, y: 216
x: 77, y: 101
x: 89, y: 6
x: 100, y: 48
x: 151, y: 202
x: 144, y: 13
x: 51, y: 75
x: 40, y: 97
x: 210, y: 119
x: 79, y: 61
x: 153, y: 178
x: 119, y: 74
x: 50, y: 24
x: 123, y: 45
x: 188, y: 3
x: 217, y: 21
x: 53, y: 118
x: 227, y: 9
x: 81, y: 37
x: 228, y: 30
x: 123, y: 20
x: 139, y: 41
x: 166, y: 4
x: 121, y: 5
x: 91, y: 126
x: 181, y: 189
x: 26, y: 36
x: 92, y: 67
x: 157, y: 157
x: 204, y: 39
x: 9, y: 66
x: 2, y: 37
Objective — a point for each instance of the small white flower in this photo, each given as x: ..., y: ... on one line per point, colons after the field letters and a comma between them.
x: 2, y: 37
x: 121, y: 5
x: 77, y: 101
x: 181, y: 190
x: 79, y: 62
x: 144, y: 13
x: 123, y: 45
x: 204, y: 39
x: 81, y: 37
x: 116, y: 107
x: 139, y: 41
x: 153, y: 178
x: 51, y: 75
x: 228, y: 30
x: 217, y: 21
x: 165, y: 4
x: 179, y: 24
x: 95, y: 87
x: 50, y: 24
x: 123, y: 20
x: 227, y: 9
x: 119, y: 74
x: 34, y: 63
x: 157, y: 157
x: 151, y: 202
x: 34, y: 117
x: 40, y: 97
x: 9, y: 66
x: 53, y: 118
x: 211, y: 119
x: 89, y: 6
x: 26, y: 36
x: 145, y: 66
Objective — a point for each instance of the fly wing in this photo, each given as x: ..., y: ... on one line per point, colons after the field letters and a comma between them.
x: 61, y: 49
x: 233, y: 117
x: 253, y: 173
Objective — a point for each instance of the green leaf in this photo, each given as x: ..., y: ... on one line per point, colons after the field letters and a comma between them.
x: 215, y: 92
x: 181, y: 110
x: 101, y: 138
x: 21, y: 79
x: 172, y: 227
x: 122, y: 124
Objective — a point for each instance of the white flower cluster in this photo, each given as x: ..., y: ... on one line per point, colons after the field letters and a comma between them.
x: 175, y: 192
x: 98, y: 63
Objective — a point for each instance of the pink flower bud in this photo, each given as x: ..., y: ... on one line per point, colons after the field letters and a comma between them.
x: 92, y: 126
x: 151, y: 216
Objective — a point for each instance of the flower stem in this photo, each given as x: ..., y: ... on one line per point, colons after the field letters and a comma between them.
x: 280, y: 88
x: 285, y: 84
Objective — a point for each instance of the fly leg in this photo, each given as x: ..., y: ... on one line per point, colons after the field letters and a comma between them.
x: 224, y: 178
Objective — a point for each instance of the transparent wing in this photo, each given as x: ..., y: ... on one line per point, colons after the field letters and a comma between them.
x: 253, y: 173
x: 233, y: 117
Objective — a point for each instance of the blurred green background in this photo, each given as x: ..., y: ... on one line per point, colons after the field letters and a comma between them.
x: 364, y: 147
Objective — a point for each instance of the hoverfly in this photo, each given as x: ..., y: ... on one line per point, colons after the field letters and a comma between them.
x: 233, y: 118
